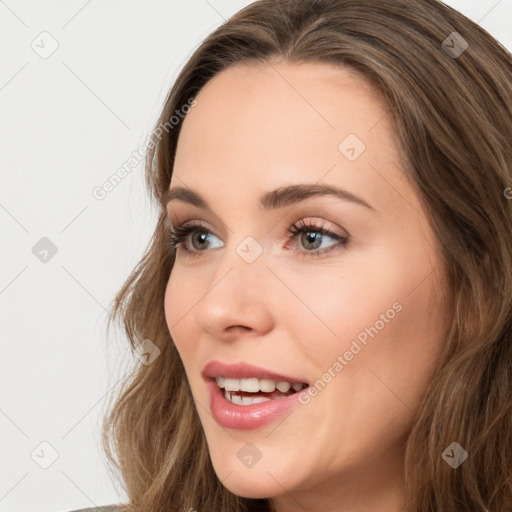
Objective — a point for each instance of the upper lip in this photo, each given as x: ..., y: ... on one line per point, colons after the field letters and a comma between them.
x: 242, y: 370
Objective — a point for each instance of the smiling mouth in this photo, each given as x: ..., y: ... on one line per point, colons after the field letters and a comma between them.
x: 254, y: 391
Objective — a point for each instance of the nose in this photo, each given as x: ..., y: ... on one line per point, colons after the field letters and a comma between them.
x: 238, y: 300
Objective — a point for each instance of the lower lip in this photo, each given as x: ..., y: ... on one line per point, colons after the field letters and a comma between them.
x: 246, y: 417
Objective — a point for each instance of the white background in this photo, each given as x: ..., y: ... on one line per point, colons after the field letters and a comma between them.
x: 68, y: 123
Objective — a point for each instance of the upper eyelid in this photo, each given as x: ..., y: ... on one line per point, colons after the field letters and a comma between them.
x: 173, y: 225
x: 192, y: 224
x: 298, y: 225
x: 306, y: 221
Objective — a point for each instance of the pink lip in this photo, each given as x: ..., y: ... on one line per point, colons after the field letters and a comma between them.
x: 245, y: 417
x: 244, y: 371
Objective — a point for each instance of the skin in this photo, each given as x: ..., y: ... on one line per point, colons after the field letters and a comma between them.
x: 255, y: 129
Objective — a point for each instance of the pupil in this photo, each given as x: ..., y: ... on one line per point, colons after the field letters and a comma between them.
x: 202, y: 236
x: 311, y: 238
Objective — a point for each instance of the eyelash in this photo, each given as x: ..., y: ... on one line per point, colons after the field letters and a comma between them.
x: 180, y: 234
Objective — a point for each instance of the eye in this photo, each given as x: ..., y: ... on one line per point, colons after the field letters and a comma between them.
x: 314, y: 236
x: 197, y: 234
x: 196, y: 239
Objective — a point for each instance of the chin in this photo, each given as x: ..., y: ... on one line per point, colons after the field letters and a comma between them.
x: 262, y: 480
x: 245, y: 483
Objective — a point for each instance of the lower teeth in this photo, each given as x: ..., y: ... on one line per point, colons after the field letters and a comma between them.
x: 230, y: 396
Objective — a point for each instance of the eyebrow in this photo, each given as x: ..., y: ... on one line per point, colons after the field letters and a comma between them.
x: 279, y: 198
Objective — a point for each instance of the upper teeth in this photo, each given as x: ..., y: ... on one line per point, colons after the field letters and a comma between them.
x: 253, y: 385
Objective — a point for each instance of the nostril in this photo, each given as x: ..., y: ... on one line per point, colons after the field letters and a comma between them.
x: 237, y: 328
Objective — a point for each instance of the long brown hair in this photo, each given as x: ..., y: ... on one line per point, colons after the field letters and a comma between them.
x: 448, y: 85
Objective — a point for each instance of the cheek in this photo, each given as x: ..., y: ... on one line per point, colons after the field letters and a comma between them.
x: 373, y: 371
x: 337, y: 305
x: 378, y: 328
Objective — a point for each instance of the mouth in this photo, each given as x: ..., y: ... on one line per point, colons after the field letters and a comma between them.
x: 253, y: 390
x: 243, y: 396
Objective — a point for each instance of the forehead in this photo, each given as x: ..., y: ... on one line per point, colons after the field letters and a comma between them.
x: 280, y: 123
x: 319, y: 96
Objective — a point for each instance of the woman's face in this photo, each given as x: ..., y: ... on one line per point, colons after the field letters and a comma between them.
x: 359, y: 322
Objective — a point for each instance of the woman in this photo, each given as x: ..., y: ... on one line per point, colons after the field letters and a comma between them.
x: 323, y: 317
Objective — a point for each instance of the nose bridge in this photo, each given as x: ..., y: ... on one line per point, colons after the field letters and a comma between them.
x: 238, y: 294
x: 245, y: 263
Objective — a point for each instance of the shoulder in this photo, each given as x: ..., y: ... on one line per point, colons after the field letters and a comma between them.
x: 103, y: 508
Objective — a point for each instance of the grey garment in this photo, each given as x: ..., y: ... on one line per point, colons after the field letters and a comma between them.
x: 104, y: 508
